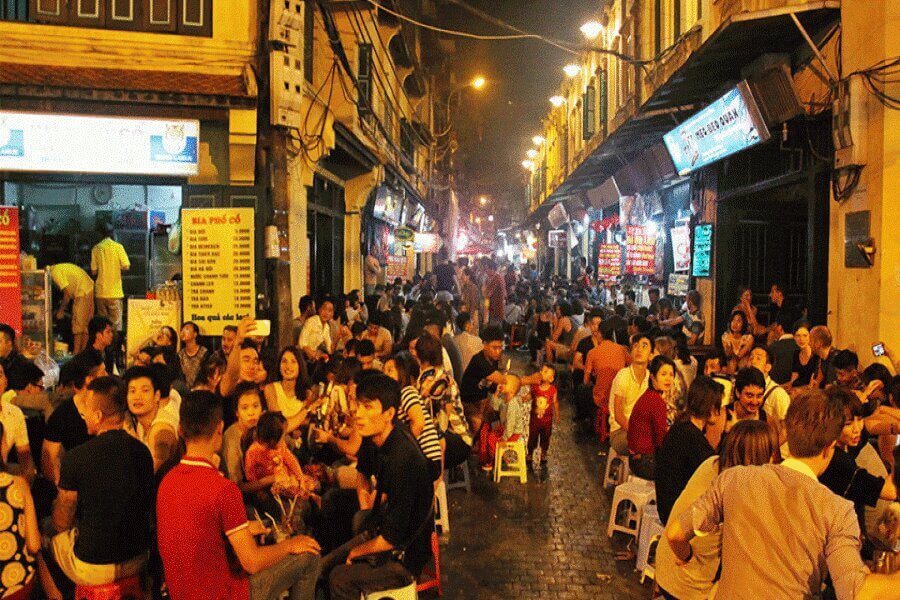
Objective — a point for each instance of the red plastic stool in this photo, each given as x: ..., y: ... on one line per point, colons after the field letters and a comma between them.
x: 122, y: 589
x: 432, y: 580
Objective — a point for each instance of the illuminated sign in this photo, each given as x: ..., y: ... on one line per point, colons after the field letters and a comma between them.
x: 640, y: 251
x: 703, y: 234
x: 609, y: 260
x: 86, y: 144
x: 730, y: 124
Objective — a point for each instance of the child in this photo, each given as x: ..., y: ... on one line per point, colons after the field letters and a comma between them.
x: 269, y: 456
x: 509, y: 401
x: 544, y: 412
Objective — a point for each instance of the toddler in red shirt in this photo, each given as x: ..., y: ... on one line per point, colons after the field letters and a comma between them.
x: 544, y: 413
x: 268, y: 455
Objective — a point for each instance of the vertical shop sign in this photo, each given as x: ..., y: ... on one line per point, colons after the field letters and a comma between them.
x: 609, y: 260
x: 640, y: 251
x: 681, y: 248
x: 10, y: 271
x: 397, y: 266
x: 703, y: 234
x: 219, y: 266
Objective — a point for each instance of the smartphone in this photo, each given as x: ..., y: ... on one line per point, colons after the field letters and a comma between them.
x: 878, y: 349
x: 262, y: 328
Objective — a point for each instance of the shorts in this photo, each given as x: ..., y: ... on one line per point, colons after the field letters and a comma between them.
x: 82, y: 313
x: 111, y: 308
x: 82, y: 573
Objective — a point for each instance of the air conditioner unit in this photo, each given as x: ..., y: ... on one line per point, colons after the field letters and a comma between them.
x: 770, y: 82
x: 285, y: 89
x: 848, y: 123
x: 286, y: 21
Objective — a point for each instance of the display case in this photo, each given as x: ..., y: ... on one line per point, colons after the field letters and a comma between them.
x: 37, y: 326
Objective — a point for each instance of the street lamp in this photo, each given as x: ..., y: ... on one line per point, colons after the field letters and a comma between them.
x: 491, y: 218
x: 571, y: 70
x: 538, y: 140
x: 528, y: 164
x: 478, y: 84
x: 557, y: 101
x: 592, y: 29
x: 532, y: 153
x: 483, y: 200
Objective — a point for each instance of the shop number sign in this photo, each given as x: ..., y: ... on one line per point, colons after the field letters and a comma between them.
x: 10, y: 273
x: 218, y: 263
x: 702, y: 249
x: 609, y: 260
x: 640, y: 251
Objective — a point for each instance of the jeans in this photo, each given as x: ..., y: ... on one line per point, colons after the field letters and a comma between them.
x: 297, y: 572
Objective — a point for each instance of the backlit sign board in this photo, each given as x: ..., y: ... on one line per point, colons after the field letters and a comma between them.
x: 88, y: 144
x: 730, y: 124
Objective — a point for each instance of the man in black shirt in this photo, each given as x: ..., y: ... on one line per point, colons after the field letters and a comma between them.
x: 400, y: 544
x: 484, y: 367
x: 445, y: 273
x: 108, y: 483
x: 584, y: 397
x: 11, y: 359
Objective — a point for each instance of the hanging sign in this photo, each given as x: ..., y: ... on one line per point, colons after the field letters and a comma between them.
x: 703, y: 234
x: 89, y: 144
x: 404, y: 235
x: 640, y: 251
x: 679, y: 284
x: 681, y: 248
x: 557, y: 238
x: 10, y: 271
x: 219, y: 266
x: 427, y: 242
x: 397, y: 267
x: 609, y: 260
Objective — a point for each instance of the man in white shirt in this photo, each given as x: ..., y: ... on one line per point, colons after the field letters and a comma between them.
x: 315, y: 337
x: 776, y: 400
x: 380, y: 337
x: 629, y: 384
x: 468, y: 343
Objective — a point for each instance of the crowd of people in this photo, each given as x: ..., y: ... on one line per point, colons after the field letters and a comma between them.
x: 244, y: 470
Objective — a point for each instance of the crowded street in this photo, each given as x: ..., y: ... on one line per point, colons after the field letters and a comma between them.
x: 465, y: 299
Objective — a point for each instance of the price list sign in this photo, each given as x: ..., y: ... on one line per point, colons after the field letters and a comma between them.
x: 219, y: 266
x: 609, y: 260
x: 10, y: 274
x: 640, y: 251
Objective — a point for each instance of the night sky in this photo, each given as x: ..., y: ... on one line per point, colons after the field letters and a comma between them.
x: 496, y: 125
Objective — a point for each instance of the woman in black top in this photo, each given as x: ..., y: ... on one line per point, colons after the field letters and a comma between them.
x: 685, y: 446
x: 805, y: 362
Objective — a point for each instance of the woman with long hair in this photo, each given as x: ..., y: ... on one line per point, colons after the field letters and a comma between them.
x: 805, y: 362
x: 750, y: 443
x: 647, y: 426
x: 737, y: 341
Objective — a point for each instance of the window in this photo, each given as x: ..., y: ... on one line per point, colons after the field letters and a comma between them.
x: 604, y: 100
x: 185, y: 17
x: 657, y: 27
x: 676, y: 16
x: 309, y: 17
x: 407, y: 146
x: 589, y: 126
x: 364, y: 80
x: 13, y: 10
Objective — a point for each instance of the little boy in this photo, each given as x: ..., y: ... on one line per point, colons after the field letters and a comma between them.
x: 510, y: 403
x: 544, y: 413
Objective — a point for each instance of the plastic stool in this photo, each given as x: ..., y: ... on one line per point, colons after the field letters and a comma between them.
x: 464, y: 483
x: 122, y: 589
x: 517, y: 468
x: 441, y: 508
x: 652, y: 531
x: 616, y: 469
x: 407, y: 592
x: 432, y: 579
x: 630, y: 498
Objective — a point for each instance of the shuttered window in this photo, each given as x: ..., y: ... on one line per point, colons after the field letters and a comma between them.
x: 589, y: 111
x: 185, y: 17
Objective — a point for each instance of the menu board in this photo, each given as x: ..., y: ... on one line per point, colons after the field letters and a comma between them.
x: 609, y: 260
x: 10, y: 272
x: 640, y: 251
x: 681, y: 248
x: 702, y: 249
x: 218, y: 263
x: 397, y: 267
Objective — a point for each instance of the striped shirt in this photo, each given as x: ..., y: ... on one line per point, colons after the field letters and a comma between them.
x: 428, y: 438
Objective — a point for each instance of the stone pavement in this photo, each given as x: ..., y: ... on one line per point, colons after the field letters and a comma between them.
x: 542, y: 539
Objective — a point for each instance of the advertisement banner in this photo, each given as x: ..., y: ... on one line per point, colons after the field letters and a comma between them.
x: 146, y: 317
x: 557, y: 238
x: 427, y: 242
x: 679, y: 283
x: 89, y: 144
x: 397, y: 266
x: 609, y: 260
x: 10, y: 271
x: 219, y: 266
x: 703, y: 234
x: 640, y: 251
x: 681, y: 248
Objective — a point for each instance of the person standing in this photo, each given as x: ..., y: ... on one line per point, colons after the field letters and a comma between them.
x: 77, y: 288
x: 445, y: 273
x: 494, y: 294
x: 108, y: 260
x: 371, y: 274
x: 783, y: 348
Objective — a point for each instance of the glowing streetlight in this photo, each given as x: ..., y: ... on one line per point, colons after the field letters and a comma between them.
x: 532, y: 153
x: 483, y: 200
x: 557, y: 101
x: 491, y: 218
x: 571, y: 70
x: 528, y: 164
x: 592, y: 29
x: 478, y: 82
x: 538, y: 140
x: 478, y: 220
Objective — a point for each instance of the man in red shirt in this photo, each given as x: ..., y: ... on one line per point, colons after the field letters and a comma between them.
x: 198, y: 509
x: 494, y: 294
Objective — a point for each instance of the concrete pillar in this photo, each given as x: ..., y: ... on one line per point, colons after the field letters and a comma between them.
x: 356, y: 193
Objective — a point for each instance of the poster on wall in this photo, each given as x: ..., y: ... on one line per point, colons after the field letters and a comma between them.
x: 681, y: 248
x: 609, y: 260
x: 146, y: 317
x: 640, y: 251
x: 219, y: 266
x: 397, y: 266
x: 557, y: 238
x: 10, y: 272
x: 679, y: 284
x: 703, y: 234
